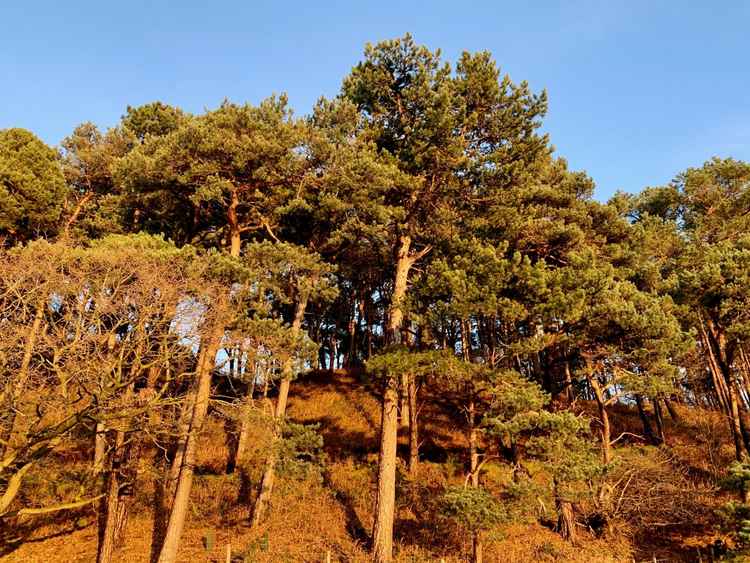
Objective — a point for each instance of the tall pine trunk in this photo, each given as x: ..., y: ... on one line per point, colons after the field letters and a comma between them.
x: 386, y: 488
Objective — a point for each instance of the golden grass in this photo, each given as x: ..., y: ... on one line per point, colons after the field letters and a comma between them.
x: 312, y: 517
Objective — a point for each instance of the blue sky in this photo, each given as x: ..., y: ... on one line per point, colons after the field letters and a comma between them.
x: 639, y: 90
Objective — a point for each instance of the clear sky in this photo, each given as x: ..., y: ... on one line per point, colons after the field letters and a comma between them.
x: 639, y: 90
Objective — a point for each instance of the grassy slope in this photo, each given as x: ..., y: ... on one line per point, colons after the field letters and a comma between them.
x: 665, y: 497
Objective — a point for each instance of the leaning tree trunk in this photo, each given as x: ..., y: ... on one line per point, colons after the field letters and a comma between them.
x: 244, y: 435
x: 718, y: 363
x: 177, y: 515
x: 266, y: 485
x: 673, y: 414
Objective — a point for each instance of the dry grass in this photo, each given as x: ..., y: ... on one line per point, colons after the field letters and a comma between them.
x: 313, y: 516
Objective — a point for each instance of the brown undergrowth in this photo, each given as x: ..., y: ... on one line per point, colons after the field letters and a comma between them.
x: 659, y: 503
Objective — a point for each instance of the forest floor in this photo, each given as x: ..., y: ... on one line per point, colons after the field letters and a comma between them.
x: 664, y: 499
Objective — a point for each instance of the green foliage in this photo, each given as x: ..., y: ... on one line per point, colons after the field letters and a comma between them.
x: 226, y: 172
x: 738, y: 477
x: 288, y: 272
x: 401, y: 360
x: 300, y: 451
x: 735, y: 518
x: 563, y: 444
x: 474, y: 509
x: 268, y: 344
x: 515, y: 404
x: 95, y: 207
x: 32, y: 187
x: 561, y: 441
x: 155, y: 119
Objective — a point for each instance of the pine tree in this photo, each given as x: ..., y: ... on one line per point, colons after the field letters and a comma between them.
x: 32, y: 187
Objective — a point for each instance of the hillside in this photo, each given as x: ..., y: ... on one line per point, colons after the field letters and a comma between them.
x: 664, y: 497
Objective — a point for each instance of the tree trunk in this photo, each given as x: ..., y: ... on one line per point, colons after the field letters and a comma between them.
x: 566, y: 524
x: 183, y: 429
x: 603, y: 417
x: 476, y: 538
x: 100, y: 446
x: 76, y: 212
x: 364, y: 325
x: 476, y: 548
x: 473, y: 449
x: 659, y: 420
x: 744, y: 430
x: 647, y: 430
x: 351, y: 354
x: 736, y: 423
x: 267, y: 482
x: 405, y: 417
x: 177, y: 515
x: 111, y: 504
x: 386, y: 489
x: 716, y: 376
x: 568, y: 382
x: 671, y: 410
x: 238, y: 455
x: 235, y: 240
x: 721, y: 372
x: 413, y: 426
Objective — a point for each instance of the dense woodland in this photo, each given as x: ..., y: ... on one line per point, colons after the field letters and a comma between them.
x: 167, y: 286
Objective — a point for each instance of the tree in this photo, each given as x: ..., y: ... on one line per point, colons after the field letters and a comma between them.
x: 94, y: 206
x: 294, y: 277
x: 442, y: 132
x: 32, y: 187
x: 101, y: 348
x: 220, y: 175
x: 155, y: 119
x: 708, y: 208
